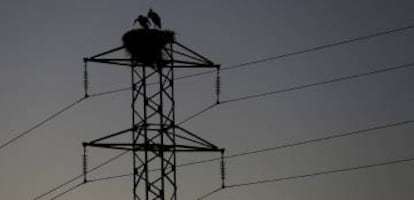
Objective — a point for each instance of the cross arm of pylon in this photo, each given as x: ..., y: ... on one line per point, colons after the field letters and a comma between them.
x: 186, y: 141
x: 184, y: 57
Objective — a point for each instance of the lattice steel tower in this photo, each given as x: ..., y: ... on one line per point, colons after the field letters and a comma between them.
x: 155, y: 138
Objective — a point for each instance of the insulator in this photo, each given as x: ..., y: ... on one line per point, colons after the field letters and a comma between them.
x: 223, y: 171
x: 218, y: 86
x: 85, y: 79
x: 85, y: 165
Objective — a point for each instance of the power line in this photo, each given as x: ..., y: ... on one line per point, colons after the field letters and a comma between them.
x: 324, y: 46
x: 299, y: 87
x: 59, y: 112
x: 14, y: 139
x: 210, y: 193
x: 308, y: 50
x: 58, y: 187
x: 81, y: 175
x: 110, y: 177
x: 319, y: 83
x: 110, y: 92
x: 197, y: 113
x: 320, y: 173
x: 67, y: 191
x: 324, y: 172
x: 278, y: 147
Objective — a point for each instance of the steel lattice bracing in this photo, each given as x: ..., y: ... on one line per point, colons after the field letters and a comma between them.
x: 154, y: 120
x: 155, y: 137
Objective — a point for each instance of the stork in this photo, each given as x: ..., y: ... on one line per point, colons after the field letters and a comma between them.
x: 155, y: 18
x: 143, y: 21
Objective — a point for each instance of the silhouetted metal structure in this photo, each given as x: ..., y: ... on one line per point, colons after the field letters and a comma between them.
x: 154, y: 138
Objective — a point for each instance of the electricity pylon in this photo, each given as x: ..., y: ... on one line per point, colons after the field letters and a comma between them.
x: 155, y: 137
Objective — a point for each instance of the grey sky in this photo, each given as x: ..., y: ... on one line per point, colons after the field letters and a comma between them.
x: 41, y: 51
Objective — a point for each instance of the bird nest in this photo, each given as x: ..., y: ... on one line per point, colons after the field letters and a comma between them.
x: 145, y: 45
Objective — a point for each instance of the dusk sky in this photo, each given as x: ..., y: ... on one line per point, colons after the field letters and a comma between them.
x: 41, y: 71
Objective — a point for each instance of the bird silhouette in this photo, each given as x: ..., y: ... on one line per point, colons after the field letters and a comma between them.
x: 155, y: 18
x: 143, y: 21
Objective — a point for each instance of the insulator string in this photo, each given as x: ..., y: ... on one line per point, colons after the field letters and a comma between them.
x: 85, y: 164
x: 223, y: 171
x: 85, y: 79
x: 218, y: 85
